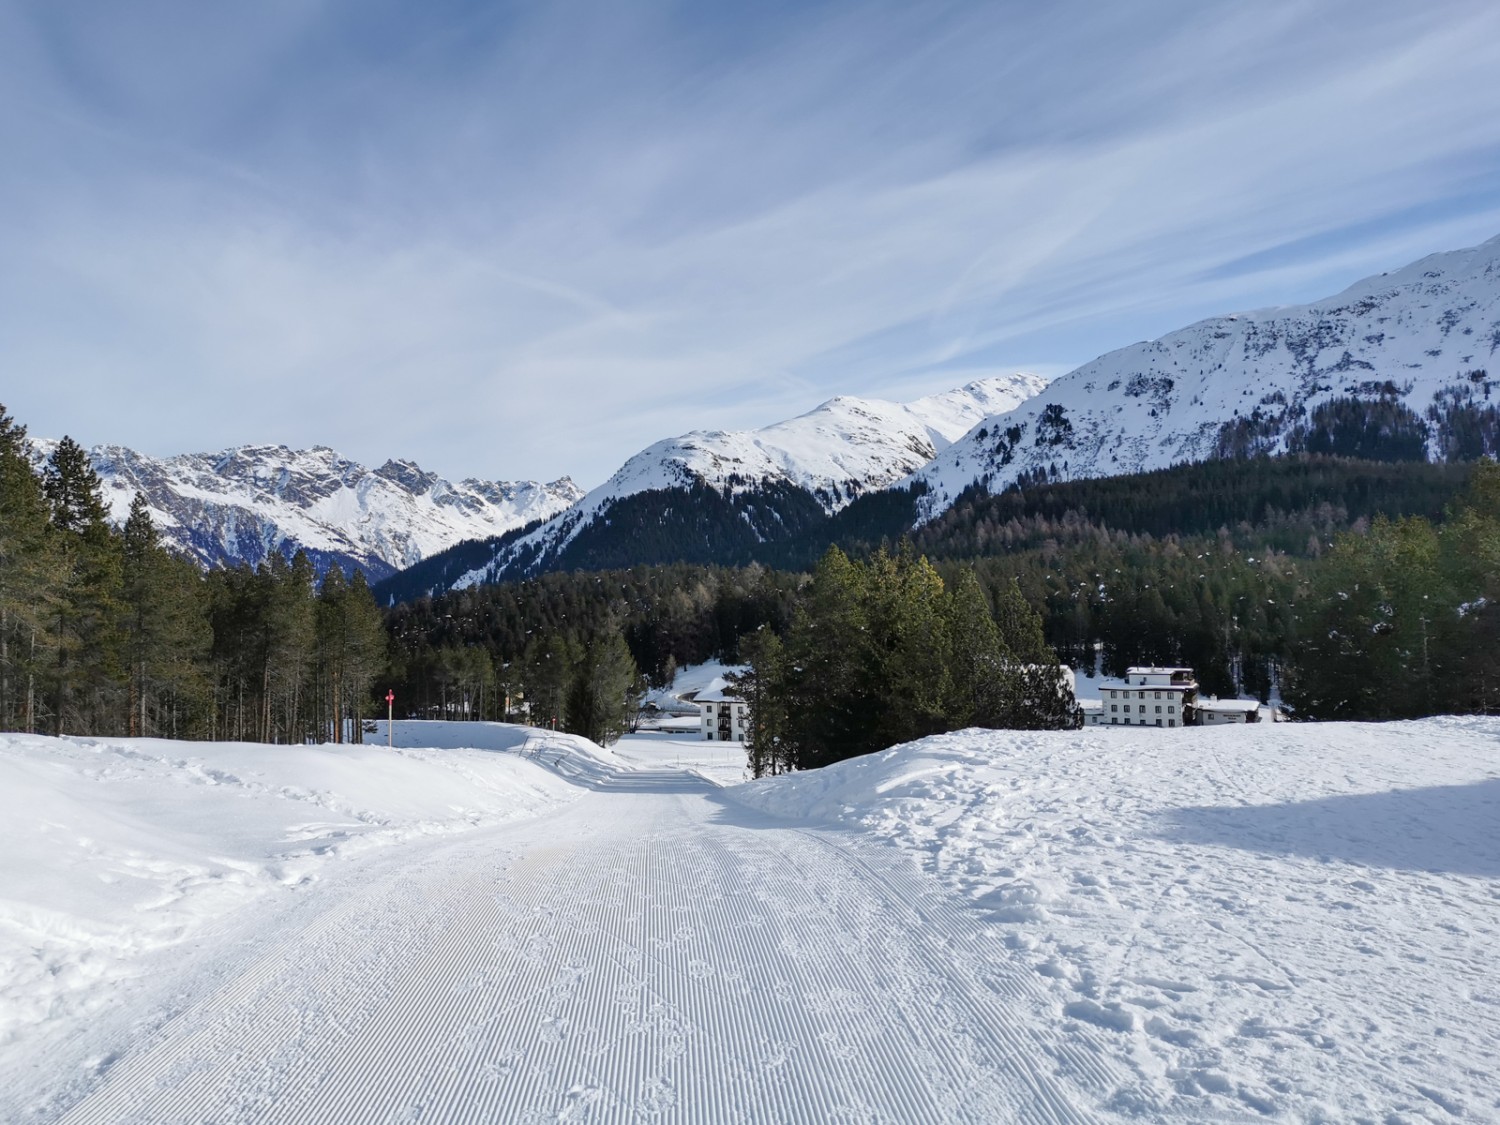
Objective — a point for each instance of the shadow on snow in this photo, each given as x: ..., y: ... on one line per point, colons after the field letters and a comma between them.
x: 1449, y: 828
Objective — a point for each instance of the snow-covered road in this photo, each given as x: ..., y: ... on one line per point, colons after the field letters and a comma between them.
x: 650, y: 952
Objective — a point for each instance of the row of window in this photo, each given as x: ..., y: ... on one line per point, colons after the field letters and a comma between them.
x: 1113, y: 694
x: 1114, y: 722
x: 1171, y: 708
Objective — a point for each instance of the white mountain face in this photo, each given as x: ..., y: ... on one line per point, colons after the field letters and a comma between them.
x: 242, y: 504
x: 837, y: 451
x: 840, y: 450
x: 1421, y: 338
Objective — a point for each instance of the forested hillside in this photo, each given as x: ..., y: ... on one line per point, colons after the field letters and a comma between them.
x: 1226, y: 566
x: 1359, y: 589
x: 107, y: 632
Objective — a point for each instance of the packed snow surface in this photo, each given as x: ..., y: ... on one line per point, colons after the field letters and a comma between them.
x: 1301, y: 920
x: 496, y: 923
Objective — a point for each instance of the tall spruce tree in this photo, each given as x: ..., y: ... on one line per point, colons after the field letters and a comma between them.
x: 27, y: 587
x: 84, y: 622
x: 981, y: 662
x: 761, y: 686
x: 166, y: 633
x: 605, y: 690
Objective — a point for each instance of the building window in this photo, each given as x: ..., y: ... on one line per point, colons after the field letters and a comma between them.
x: 1171, y: 722
x: 1158, y: 695
x: 1140, y: 694
x: 1171, y: 710
x: 1114, y: 706
x: 1158, y: 722
x: 1158, y: 708
x: 1111, y: 722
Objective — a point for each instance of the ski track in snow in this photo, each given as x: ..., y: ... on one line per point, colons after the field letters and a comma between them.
x: 1279, y: 922
x: 652, y: 953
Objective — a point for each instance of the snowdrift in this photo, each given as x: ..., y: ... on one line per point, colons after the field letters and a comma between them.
x: 1298, y: 919
x: 117, y: 850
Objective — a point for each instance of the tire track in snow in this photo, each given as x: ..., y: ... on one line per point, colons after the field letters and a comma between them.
x: 649, y: 957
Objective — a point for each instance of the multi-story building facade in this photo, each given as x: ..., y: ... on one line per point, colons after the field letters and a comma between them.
x: 1146, y: 697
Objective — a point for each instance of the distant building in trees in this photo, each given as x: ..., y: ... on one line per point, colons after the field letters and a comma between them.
x: 1162, y: 697
x: 723, y: 715
x: 1146, y: 697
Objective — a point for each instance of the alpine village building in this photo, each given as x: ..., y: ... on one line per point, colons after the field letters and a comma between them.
x: 1162, y: 697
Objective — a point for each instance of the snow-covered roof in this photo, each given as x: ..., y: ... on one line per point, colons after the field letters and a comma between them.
x: 1091, y: 704
x: 718, y: 691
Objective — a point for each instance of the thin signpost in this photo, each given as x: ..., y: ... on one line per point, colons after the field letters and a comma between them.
x: 390, y: 726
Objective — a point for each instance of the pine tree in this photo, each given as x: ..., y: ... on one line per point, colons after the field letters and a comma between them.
x: 909, y: 683
x: 166, y: 632
x: 980, y: 660
x: 605, y: 690
x: 546, y: 676
x: 831, y: 706
x: 84, y: 622
x: 28, y: 591
x: 761, y: 686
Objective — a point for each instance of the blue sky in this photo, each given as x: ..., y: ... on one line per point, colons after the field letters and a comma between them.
x: 518, y: 241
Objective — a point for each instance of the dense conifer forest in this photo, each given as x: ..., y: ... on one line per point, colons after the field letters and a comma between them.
x: 1228, y: 566
x: 103, y: 631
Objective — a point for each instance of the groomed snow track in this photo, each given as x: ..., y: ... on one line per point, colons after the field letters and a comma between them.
x: 653, y: 952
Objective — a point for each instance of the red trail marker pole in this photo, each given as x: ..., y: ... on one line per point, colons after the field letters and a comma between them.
x: 390, y: 729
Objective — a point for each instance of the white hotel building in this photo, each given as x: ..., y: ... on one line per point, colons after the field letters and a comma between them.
x: 1146, y: 697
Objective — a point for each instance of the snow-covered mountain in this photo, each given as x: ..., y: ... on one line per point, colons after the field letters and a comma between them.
x: 1402, y: 357
x: 840, y: 450
x: 243, y: 504
x: 837, y: 451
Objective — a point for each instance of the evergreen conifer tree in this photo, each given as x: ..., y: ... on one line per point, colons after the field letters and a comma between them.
x: 84, y: 622
x: 28, y: 591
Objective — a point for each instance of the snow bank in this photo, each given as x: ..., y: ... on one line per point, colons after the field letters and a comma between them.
x: 117, y: 849
x: 1299, y: 919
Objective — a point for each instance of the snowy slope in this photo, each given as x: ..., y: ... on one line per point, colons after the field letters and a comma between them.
x: 1423, y: 329
x: 242, y: 504
x: 119, y: 851
x: 1299, y: 920
x: 842, y: 449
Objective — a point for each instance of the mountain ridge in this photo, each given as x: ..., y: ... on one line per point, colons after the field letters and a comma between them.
x: 1407, y: 351
x: 841, y: 449
x: 243, y: 503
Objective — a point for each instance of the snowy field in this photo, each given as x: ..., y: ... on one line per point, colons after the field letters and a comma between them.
x: 123, y: 854
x: 720, y: 762
x: 490, y: 923
x: 1299, y: 919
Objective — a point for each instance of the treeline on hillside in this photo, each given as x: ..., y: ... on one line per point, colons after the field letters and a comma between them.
x: 1403, y: 620
x: 474, y: 652
x: 883, y: 652
x: 104, y: 632
x: 1291, y: 504
x: 1238, y: 601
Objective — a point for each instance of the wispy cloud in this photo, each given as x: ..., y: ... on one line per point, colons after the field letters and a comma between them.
x: 529, y: 240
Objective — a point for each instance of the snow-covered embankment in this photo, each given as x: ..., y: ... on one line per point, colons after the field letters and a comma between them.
x: 1301, y: 919
x: 119, y: 849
